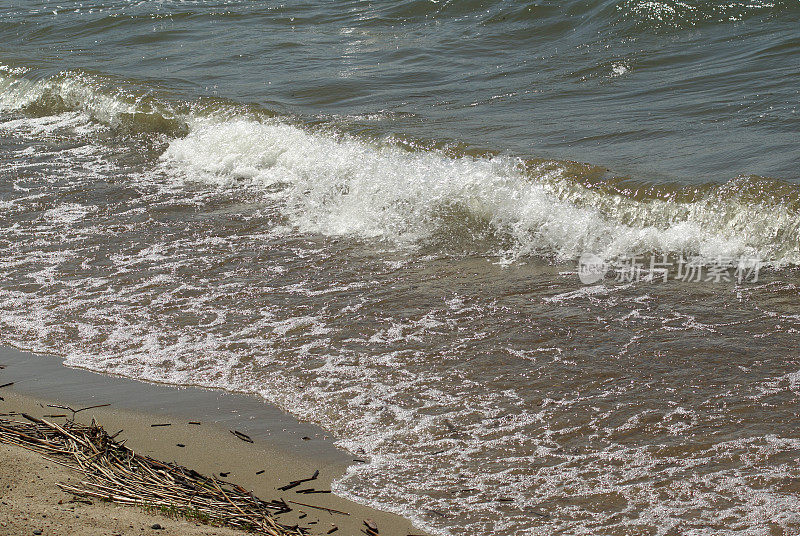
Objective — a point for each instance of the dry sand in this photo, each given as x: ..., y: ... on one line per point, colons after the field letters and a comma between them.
x: 30, y: 500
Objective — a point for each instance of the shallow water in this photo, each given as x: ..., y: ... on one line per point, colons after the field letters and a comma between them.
x: 371, y: 215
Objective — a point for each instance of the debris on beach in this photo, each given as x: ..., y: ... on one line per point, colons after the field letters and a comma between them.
x: 240, y: 435
x: 76, y: 411
x: 312, y: 490
x: 114, y: 473
x: 371, y: 528
x: 324, y: 509
x: 295, y: 483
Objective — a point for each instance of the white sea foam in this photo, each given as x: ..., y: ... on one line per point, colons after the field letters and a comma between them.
x: 336, y: 185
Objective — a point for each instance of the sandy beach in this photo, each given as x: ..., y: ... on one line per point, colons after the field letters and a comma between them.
x: 30, y: 500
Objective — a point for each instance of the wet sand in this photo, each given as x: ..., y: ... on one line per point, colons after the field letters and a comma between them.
x: 283, y: 450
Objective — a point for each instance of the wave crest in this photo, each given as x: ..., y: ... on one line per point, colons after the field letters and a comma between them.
x: 335, y: 184
x: 125, y: 109
x: 338, y: 185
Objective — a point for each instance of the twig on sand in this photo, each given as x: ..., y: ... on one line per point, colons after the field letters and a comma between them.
x: 295, y: 483
x: 372, y: 528
x: 329, y: 510
x: 240, y: 435
x: 76, y: 411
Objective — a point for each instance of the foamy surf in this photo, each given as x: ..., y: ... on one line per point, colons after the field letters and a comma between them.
x: 337, y: 185
x: 334, y: 184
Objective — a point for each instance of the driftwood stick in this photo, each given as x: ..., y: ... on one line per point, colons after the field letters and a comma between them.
x: 329, y: 510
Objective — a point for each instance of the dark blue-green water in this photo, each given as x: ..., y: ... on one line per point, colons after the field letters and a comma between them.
x: 690, y: 91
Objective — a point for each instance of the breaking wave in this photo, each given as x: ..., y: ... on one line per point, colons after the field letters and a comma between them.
x: 336, y: 184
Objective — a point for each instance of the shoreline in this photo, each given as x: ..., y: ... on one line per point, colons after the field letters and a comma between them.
x: 283, y: 449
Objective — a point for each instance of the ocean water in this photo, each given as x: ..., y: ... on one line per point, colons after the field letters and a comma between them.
x: 372, y: 213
